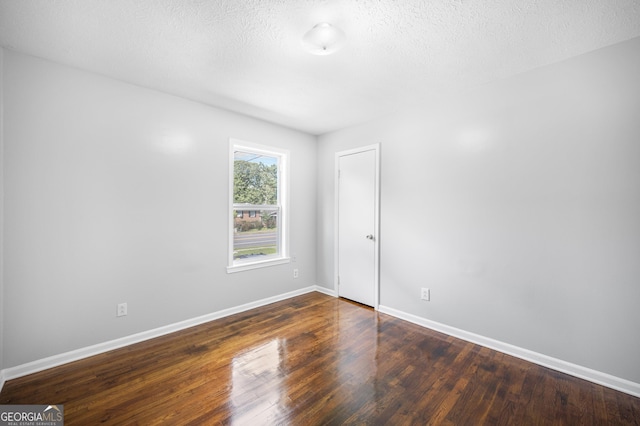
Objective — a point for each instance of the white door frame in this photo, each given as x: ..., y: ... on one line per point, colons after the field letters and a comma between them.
x: 376, y: 230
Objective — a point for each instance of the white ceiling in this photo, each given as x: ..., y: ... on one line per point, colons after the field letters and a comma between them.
x: 246, y: 55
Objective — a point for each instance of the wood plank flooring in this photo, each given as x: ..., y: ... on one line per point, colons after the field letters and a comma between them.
x: 316, y: 360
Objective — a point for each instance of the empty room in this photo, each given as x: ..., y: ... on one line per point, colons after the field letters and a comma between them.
x: 320, y: 212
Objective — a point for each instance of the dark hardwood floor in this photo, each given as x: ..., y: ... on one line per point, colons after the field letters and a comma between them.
x: 316, y: 360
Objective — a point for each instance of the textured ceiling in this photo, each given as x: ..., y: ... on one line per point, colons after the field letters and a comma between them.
x: 246, y: 55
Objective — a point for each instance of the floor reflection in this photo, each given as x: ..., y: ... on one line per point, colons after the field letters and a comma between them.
x: 257, y: 383
x: 273, y: 380
x: 357, y: 366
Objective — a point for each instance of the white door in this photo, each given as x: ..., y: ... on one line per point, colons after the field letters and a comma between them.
x: 357, y: 216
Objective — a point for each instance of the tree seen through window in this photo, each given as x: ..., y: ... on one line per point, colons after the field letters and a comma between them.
x: 255, y: 192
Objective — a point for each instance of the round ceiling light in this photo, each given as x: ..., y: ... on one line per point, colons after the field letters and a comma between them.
x: 323, y: 39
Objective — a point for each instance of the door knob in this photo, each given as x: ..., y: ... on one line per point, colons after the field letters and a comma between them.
x: 369, y: 237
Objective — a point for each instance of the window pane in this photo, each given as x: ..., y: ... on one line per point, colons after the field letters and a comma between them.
x: 256, y: 237
x: 258, y: 201
x: 255, y: 178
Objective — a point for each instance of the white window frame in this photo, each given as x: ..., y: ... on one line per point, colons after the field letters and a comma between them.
x: 283, y: 203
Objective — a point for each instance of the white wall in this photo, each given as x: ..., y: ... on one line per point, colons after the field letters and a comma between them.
x: 115, y: 193
x: 2, y: 299
x: 518, y: 204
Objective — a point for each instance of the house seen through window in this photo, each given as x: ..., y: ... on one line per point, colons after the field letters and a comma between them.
x: 257, y: 207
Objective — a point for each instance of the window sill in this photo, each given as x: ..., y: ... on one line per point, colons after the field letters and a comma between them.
x: 239, y: 267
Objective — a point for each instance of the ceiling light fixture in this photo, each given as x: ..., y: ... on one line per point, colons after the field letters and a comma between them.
x: 324, y: 39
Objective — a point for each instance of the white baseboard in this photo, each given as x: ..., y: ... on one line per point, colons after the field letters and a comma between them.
x: 579, y: 371
x: 75, y: 355
x: 327, y: 291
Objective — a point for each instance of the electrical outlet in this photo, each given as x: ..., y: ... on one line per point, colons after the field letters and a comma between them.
x: 425, y: 294
x: 122, y: 310
x: 295, y: 273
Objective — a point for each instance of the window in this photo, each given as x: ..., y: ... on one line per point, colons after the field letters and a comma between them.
x: 257, y: 207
